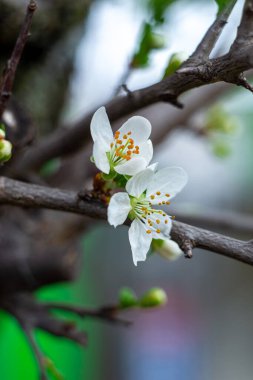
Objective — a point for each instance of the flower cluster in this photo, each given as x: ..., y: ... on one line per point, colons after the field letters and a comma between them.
x: 127, y: 154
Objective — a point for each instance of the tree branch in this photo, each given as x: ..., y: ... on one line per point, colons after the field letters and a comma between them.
x: 26, y: 195
x: 245, y: 30
x: 10, y: 71
x: 209, y: 40
x: 226, y: 68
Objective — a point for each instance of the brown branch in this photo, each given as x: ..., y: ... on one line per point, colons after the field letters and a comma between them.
x: 26, y: 195
x: 12, y: 65
x: 226, y: 68
x: 69, y: 140
x: 225, y: 220
x: 245, y: 29
x: 209, y: 40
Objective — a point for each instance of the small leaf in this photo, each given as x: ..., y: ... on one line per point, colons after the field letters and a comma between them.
x: 222, y: 4
x: 158, y: 9
x: 221, y: 149
x: 174, y: 63
x: 148, y: 42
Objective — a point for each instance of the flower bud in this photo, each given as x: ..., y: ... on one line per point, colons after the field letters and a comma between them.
x: 168, y: 249
x: 5, y: 150
x: 127, y: 298
x: 157, y: 41
x: 153, y: 298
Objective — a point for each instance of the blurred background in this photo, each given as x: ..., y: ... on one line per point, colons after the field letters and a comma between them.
x: 86, y: 49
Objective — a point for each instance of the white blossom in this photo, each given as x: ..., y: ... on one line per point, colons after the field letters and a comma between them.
x: 128, y: 151
x: 144, y: 190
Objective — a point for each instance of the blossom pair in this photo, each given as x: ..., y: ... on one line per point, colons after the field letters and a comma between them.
x: 128, y: 152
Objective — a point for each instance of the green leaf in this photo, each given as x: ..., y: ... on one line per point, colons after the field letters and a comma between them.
x: 148, y: 42
x: 222, y: 4
x: 175, y: 61
x: 158, y: 9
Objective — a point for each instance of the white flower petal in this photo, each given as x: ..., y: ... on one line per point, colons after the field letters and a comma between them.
x: 131, y: 167
x: 138, y: 183
x: 158, y: 223
x: 139, y: 127
x: 118, y: 209
x: 146, y: 151
x: 170, y: 250
x: 153, y: 167
x: 100, y: 157
x: 169, y: 180
x: 139, y: 240
x: 100, y: 127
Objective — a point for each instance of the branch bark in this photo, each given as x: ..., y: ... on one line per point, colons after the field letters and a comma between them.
x: 26, y: 195
x: 12, y: 65
x: 227, y: 68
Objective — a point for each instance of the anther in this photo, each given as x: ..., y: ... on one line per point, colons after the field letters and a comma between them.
x: 167, y: 195
x: 152, y: 196
x: 158, y: 193
x: 148, y: 231
x: 157, y: 221
x: 125, y: 137
x: 158, y: 231
x: 167, y: 203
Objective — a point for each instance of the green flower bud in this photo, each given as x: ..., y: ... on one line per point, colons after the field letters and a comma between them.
x: 127, y: 298
x: 168, y: 249
x: 5, y: 150
x: 157, y: 41
x: 153, y: 298
x: 221, y: 149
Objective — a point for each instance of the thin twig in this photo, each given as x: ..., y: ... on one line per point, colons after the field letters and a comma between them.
x: 12, y: 65
x: 108, y: 313
x: 40, y: 359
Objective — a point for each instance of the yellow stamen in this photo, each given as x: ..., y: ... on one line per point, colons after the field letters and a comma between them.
x: 158, y: 193
x: 148, y: 231
x: 158, y: 231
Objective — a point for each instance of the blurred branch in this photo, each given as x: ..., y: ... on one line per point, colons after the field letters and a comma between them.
x: 32, y: 314
x: 188, y: 237
x: 227, y: 68
x: 10, y: 70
